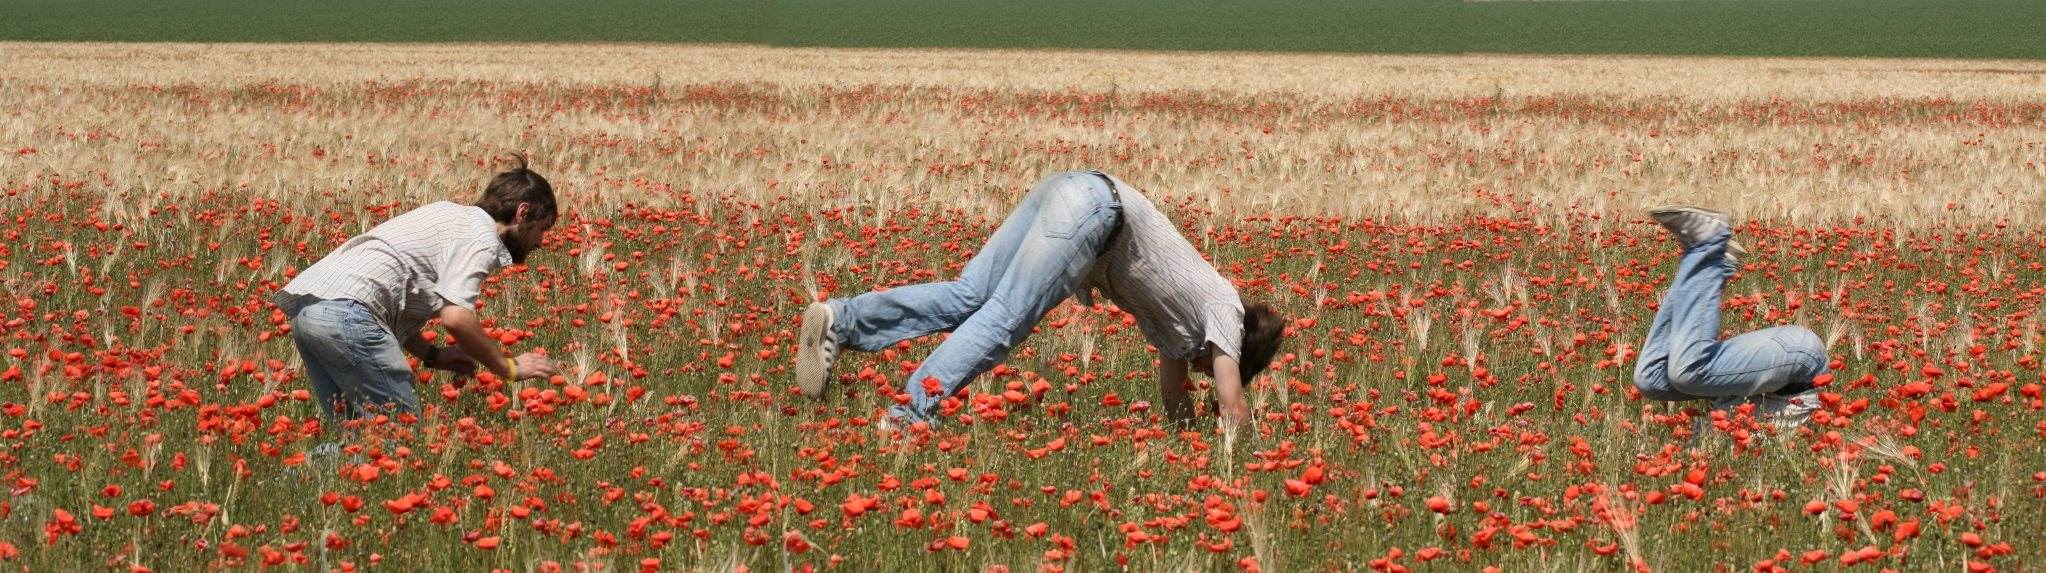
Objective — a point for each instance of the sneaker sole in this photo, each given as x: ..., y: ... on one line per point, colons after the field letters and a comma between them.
x: 1786, y: 424
x: 1734, y: 250
x: 1798, y: 410
x: 812, y: 373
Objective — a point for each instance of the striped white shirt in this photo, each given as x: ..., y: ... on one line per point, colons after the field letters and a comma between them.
x: 1178, y: 298
x: 407, y: 268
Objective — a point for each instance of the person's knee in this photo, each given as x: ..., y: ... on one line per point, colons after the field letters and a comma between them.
x: 1656, y: 386
x: 1004, y: 322
x: 1801, y: 342
x: 1664, y: 394
x: 1799, y: 339
x: 1646, y: 384
x: 1645, y: 379
x: 1688, y: 382
x: 971, y: 296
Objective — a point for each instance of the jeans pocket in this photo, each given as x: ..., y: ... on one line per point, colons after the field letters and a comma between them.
x: 372, y: 333
x: 1058, y: 220
x: 1089, y: 222
x: 1796, y: 339
x: 364, y: 328
x: 1800, y: 345
x: 1071, y: 206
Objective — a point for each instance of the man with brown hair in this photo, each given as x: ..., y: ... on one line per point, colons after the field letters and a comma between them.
x: 356, y: 312
x: 1073, y: 233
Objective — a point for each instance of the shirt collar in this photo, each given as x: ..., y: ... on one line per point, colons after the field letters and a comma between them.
x: 504, y: 258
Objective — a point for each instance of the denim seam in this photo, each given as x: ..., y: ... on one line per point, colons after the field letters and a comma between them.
x: 1742, y: 372
x: 923, y: 333
x: 1073, y: 229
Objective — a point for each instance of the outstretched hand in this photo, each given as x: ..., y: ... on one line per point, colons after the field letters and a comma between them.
x: 535, y: 366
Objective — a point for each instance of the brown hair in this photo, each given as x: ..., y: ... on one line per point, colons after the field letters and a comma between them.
x: 501, y: 198
x: 1263, y: 330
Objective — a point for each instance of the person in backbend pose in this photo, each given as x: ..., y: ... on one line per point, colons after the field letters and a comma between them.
x: 1684, y: 359
x: 1079, y: 231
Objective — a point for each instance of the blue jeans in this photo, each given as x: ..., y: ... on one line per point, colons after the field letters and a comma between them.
x: 1684, y: 359
x: 1031, y: 264
x: 357, y: 367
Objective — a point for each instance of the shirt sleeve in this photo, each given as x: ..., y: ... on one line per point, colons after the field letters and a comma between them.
x: 1224, y: 328
x: 468, y: 263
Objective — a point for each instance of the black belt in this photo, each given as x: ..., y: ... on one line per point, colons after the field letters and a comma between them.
x: 1116, y: 230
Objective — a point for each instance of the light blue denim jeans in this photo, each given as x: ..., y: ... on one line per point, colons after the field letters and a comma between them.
x: 1032, y: 263
x: 357, y: 367
x: 1684, y: 359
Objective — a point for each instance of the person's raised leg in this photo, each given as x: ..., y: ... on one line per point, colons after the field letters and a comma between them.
x: 1702, y: 365
x: 1053, y: 257
x: 875, y: 320
x: 1690, y: 227
x: 1651, y: 368
x: 1694, y: 302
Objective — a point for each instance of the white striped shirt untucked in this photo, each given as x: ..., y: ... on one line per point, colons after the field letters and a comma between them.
x: 1178, y: 298
x: 407, y: 268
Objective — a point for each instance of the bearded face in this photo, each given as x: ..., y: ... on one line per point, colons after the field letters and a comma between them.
x: 523, y: 238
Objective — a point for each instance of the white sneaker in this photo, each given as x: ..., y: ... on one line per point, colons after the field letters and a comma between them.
x: 1690, y: 225
x: 816, y: 350
x: 1786, y: 413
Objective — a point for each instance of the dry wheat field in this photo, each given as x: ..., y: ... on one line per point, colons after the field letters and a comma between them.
x: 1458, y: 242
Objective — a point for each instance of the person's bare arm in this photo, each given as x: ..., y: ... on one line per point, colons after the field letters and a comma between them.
x: 449, y: 358
x: 1229, y: 390
x: 1172, y: 390
x: 417, y: 345
x: 467, y: 329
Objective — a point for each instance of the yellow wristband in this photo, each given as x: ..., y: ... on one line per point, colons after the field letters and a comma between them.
x: 513, y: 366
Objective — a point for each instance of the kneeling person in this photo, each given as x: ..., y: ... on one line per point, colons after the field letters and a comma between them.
x: 356, y: 312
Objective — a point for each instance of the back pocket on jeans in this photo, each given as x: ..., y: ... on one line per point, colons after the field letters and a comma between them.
x: 1060, y: 215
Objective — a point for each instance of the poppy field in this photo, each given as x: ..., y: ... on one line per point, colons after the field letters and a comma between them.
x: 1458, y: 243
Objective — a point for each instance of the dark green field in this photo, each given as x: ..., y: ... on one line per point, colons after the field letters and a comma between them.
x: 1884, y: 28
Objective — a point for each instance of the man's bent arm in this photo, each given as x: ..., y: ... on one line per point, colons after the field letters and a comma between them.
x: 467, y: 329
x: 1229, y: 390
x: 417, y: 345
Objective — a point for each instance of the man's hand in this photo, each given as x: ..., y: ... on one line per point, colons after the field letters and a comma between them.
x: 536, y: 366
x: 467, y: 331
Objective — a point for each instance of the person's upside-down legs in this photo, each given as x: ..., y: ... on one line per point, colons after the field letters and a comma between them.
x: 1683, y: 357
